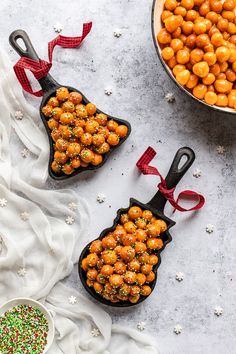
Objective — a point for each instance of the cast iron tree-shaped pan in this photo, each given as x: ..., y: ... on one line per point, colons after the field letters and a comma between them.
x: 49, y: 87
x: 156, y: 205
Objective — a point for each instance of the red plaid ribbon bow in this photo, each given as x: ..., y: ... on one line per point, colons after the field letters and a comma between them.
x: 143, y: 166
x: 41, y: 68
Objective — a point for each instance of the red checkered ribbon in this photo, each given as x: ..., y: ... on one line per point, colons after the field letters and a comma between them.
x: 143, y: 166
x: 41, y: 68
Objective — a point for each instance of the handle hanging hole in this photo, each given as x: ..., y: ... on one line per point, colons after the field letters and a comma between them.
x: 20, y: 42
x: 182, y: 162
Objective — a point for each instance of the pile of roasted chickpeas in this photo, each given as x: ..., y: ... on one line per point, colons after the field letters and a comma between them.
x: 81, y: 135
x: 198, y: 42
x: 119, y: 267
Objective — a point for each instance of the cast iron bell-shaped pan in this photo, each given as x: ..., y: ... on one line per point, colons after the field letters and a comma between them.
x: 156, y: 206
x: 49, y: 87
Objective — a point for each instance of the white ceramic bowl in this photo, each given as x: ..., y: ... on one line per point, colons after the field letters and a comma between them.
x: 157, y: 9
x: 25, y: 301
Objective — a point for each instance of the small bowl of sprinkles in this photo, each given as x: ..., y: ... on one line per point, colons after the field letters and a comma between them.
x: 26, y: 327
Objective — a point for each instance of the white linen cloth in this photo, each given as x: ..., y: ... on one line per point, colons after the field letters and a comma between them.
x: 37, y: 247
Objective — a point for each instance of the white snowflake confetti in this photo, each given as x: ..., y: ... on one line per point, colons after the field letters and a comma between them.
x: 22, y: 272
x: 197, y: 173
x: 177, y: 329
x: 179, y: 276
x: 220, y: 150
x: 19, y: 115
x: 25, y: 153
x: 117, y: 33
x: 108, y: 91
x: 95, y: 332
x: 141, y: 326
x: 58, y: 27
x: 170, y: 97
x: 24, y: 216
x: 101, y: 198
x: 209, y: 228
x: 72, y: 300
x: 73, y: 206
x: 3, y: 202
x: 218, y: 311
x: 70, y: 220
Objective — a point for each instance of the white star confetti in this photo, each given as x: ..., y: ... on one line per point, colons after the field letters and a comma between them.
x: 108, y: 91
x: 19, y: 115
x: 25, y: 153
x: 117, y: 33
x: 95, y: 332
x: 58, y: 27
x: 73, y: 206
x: 197, y: 173
x: 209, y: 228
x: 70, y: 220
x: 218, y: 311
x: 22, y: 272
x: 72, y: 300
x: 141, y: 326
x: 25, y: 216
x: 101, y: 198
x: 3, y: 202
x: 170, y: 98
x: 220, y: 150
x: 179, y: 276
x: 177, y: 329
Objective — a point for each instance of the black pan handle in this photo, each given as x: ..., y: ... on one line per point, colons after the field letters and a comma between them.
x: 47, y: 83
x: 174, y: 175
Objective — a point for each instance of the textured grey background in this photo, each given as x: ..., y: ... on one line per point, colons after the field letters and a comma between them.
x: 130, y: 66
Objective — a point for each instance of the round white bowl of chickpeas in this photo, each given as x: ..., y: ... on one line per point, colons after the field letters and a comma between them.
x: 196, y: 43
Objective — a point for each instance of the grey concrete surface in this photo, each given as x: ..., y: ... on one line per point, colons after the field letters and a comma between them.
x: 129, y: 65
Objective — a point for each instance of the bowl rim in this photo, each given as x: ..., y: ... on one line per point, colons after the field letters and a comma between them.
x: 22, y: 300
x: 215, y: 108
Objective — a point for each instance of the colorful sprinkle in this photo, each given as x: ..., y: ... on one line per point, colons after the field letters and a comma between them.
x: 23, y: 330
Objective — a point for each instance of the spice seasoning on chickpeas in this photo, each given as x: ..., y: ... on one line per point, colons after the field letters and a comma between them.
x: 198, y: 42
x: 119, y: 266
x: 81, y: 135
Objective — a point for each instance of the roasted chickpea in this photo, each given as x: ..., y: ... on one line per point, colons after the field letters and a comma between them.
x: 130, y: 227
x: 182, y: 56
x: 150, y: 277
x: 97, y: 159
x: 91, y: 109
x: 84, y: 264
x: 154, y: 243
x: 128, y: 239
x: 75, y: 97
x: 109, y: 257
x: 124, y: 218
x: 141, y: 235
x: 146, y: 290
x: 60, y: 157
x: 222, y: 54
x: 127, y: 253
x: 120, y: 267
x: 47, y: 110
x: 92, y: 259
x: 209, y: 79
x: 113, y: 139
x: 146, y: 268
x: 112, y: 125
x: 183, y: 77
x: 222, y: 86
x: 107, y: 270
x: 66, y: 118
x: 153, y: 259
x: 55, y: 134
x: 170, y: 5
x: 109, y: 242
x: 92, y: 274
x: 103, y: 149
x: 86, y: 139
x: 210, y: 97
x: 141, y: 223
x: 144, y: 258
x: 140, y: 247
x: 73, y: 149
x: 53, y: 124
x: 167, y: 53
x: 96, y: 247
x: 67, y: 169
x: 56, y: 167
x: 81, y: 111
x: 153, y: 230
x: 201, y: 69
x: 147, y: 215
x: 222, y: 100
x: 140, y: 279
x: 68, y: 106
x: 98, y: 287
x: 192, y: 82
x: 162, y: 224
x: 173, y: 22
x: 130, y: 277
x: 62, y: 94
x: 164, y: 36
